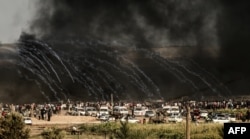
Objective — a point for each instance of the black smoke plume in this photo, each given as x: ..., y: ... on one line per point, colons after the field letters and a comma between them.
x: 89, y: 49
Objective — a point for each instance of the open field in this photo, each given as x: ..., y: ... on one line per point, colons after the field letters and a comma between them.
x: 94, y: 129
x: 59, y: 121
x: 147, y: 131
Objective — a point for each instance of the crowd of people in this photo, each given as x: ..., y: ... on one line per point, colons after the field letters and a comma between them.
x: 42, y: 112
x: 45, y: 111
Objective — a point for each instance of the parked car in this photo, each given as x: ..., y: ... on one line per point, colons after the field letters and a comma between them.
x: 77, y: 112
x: 130, y: 119
x: 221, y: 118
x: 91, y: 111
x: 27, y: 120
x: 106, y: 118
x: 168, y: 110
x: 176, y: 118
x: 140, y: 111
x: 175, y: 109
x: 103, y: 110
x: 149, y: 113
x: 232, y: 117
x: 204, y: 114
x: 120, y: 110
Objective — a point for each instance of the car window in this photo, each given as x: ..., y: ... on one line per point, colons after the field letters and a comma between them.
x: 103, y: 109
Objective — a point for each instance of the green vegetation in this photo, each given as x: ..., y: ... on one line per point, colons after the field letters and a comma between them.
x: 123, y: 132
x: 137, y: 131
x: 154, y: 131
x: 232, y: 111
x: 12, y: 127
x: 53, y: 133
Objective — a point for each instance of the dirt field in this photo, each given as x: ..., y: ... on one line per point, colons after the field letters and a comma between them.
x: 61, y: 121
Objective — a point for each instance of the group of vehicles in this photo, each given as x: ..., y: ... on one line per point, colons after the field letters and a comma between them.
x: 104, y: 113
x: 122, y: 113
x: 104, y: 110
x: 166, y: 114
x: 221, y: 118
x: 215, y: 117
x: 86, y: 111
x: 162, y: 115
x: 173, y: 113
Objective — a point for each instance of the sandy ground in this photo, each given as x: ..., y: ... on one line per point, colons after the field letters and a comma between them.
x: 59, y: 121
x: 63, y: 119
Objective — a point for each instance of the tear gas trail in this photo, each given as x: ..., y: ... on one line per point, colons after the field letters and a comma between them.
x: 90, y: 49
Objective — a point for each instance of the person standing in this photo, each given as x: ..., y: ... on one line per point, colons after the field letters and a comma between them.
x: 248, y: 115
x: 49, y: 114
x: 42, y: 113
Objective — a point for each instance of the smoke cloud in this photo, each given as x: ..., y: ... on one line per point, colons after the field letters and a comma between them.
x: 145, y: 24
x: 167, y: 49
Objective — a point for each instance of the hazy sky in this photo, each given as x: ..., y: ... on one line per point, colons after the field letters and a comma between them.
x: 15, y: 16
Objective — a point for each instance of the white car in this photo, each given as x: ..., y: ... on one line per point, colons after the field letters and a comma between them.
x: 106, y: 118
x: 176, y: 118
x: 130, y: 119
x: 27, y: 120
x: 167, y: 109
x: 77, y: 111
x: 120, y: 110
x: 232, y: 118
x: 91, y: 111
x: 204, y: 114
x: 171, y: 109
x: 149, y: 113
x: 103, y: 110
x: 175, y: 109
x: 140, y: 111
x: 221, y: 118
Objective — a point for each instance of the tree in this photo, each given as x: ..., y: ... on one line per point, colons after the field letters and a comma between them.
x: 12, y: 126
x: 123, y: 133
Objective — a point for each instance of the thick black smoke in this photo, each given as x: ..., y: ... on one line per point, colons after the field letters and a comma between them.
x: 174, y: 48
x: 144, y: 23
